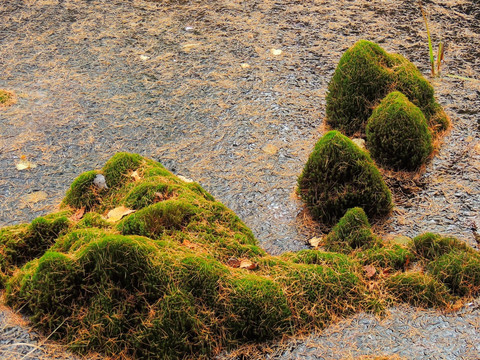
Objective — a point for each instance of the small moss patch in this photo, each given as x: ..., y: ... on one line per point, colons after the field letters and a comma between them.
x: 397, y: 134
x: 6, y: 98
x: 364, y: 76
x: 339, y: 175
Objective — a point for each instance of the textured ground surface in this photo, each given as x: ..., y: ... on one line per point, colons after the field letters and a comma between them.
x: 166, y: 80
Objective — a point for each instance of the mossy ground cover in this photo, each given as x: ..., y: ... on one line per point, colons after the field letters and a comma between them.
x: 364, y: 76
x: 166, y: 281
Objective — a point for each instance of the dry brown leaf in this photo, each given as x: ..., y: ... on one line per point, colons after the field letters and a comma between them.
x: 234, y: 262
x: 36, y: 196
x: 270, y: 149
x: 24, y: 164
x: 78, y: 214
x: 247, y: 264
x: 370, y: 271
x: 135, y: 175
x: 315, y: 241
x: 118, y: 213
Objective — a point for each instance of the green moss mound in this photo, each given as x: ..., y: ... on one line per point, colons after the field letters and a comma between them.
x: 418, y: 289
x: 339, y: 175
x: 397, y: 134
x: 182, y: 276
x: 430, y: 246
x: 83, y: 192
x: 352, y: 232
x: 365, y: 75
x: 389, y: 256
x: 459, y: 271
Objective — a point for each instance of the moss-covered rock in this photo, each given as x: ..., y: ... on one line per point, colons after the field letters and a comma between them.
x: 352, y: 232
x: 365, y: 75
x: 397, y: 134
x: 339, y: 175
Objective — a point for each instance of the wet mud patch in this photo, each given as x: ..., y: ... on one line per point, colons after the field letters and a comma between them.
x: 196, y: 86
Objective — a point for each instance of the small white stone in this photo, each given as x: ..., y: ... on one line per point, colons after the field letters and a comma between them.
x: 100, y: 182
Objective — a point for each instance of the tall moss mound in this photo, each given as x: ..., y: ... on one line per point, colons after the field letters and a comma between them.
x: 398, y: 136
x: 352, y: 232
x: 364, y: 76
x: 181, y: 277
x: 339, y: 175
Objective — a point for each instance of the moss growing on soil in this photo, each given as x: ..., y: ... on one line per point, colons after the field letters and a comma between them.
x: 397, y: 134
x: 182, y: 277
x: 6, y: 98
x: 366, y: 74
x: 418, y: 289
x: 339, y: 175
x: 352, y: 232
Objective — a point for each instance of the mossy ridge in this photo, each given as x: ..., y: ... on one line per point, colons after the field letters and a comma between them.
x: 174, y: 295
x: 397, y: 134
x: 366, y: 74
x: 339, y: 175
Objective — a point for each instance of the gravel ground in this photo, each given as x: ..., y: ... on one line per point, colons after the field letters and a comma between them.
x: 196, y: 85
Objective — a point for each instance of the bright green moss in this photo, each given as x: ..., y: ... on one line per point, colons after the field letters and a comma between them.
x: 119, y: 167
x: 146, y: 194
x: 338, y: 176
x: 459, y: 271
x: 339, y: 262
x: 154, y: 220
x: 418, y: 289
x: 430, y: 246
x: 387, y: 256
x: 93, y: 219
x: 352, y: 232
x: 366, y: 74
x: 83, y: 193
x: 397, y: 134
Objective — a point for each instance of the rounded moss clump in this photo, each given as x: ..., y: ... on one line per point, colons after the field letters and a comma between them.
x: 146, y: 194
x: 117, y: 169
x: 418, y: 289
x: 352, y: 232
x: 397, y: 134
x: 339, y: 175
x: 430, y: 246
x: 83, y: 193
x: 366, y: 74
x: 389, y: 257
x: 459, y: 270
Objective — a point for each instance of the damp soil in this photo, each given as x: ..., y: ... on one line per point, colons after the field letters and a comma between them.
x: 198, y: 86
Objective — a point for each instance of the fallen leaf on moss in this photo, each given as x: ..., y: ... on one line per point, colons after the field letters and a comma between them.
x: 24, y: 164
x: 118, y: 213
x: 183, y: 178
x: 247, y: 264
x: 234, y: 262
x: 315, y: 241
x: 78, y: 214
x: 135, y: 175
x: 370, y: 271
x: 36, y: 196
x: 245, y: 66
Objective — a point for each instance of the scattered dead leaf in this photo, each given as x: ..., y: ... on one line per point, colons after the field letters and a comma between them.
x: 270, y: 149
x: 135, y: 175
x: 78, y: 214
x: 234, y: 262
x: 36, y: 196
x: 315, y: 241
x: 370, y: 271
x: 245, y: 66
x: 118, y: 213
x: 183, y: 178
x: 247, y: 264
x: 24, y: 164
x: 276, y: 52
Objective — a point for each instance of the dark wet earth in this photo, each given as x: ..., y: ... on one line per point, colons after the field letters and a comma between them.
x: 169, y: 80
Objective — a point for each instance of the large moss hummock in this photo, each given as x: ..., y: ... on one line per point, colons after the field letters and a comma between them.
x: 184, y: 278
x: 339, y: 175
x: 364, y: 76
x: 397, y: 134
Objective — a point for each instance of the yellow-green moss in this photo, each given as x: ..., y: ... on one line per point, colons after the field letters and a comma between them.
x: 83, y: 192
x: 397, y: 134
x: 118, y: 168
x: 6, y: 98
x: 430, y: 246
x: 338, y: 176
x: 388, y: 256
x: 366, y: 74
